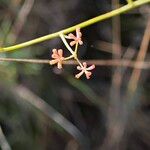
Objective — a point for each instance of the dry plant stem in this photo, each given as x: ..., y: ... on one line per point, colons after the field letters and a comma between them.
x: 107, y: 47
x: 112, y: 139
x: 129, y: 100
x: 81, y: 25
x: 132, y: 86
x: 3, y: 142
x: 116, y: 78
x: 128, y: 55
x: 117, y: 62
x: 23, y: 93
x: 21, y: 19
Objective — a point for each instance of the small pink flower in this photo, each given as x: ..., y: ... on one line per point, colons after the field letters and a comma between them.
x: 76, y: 39
x: 85, y: 70
x: 58, y: 58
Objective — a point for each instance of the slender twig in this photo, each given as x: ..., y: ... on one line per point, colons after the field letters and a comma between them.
x: 141, y: 56
x: 19, y: 60
x: 112, y: 139
x: 116, y: 79
x: 107, y: 47
x: 81, y: 25
x: 110, y: 62
x: 27, y: 95
x: 20, y: 20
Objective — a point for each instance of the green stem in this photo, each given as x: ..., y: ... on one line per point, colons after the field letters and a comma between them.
x: 78, y: 62
x: 81, y: 25
x: 76, y: 48
x: 130, y: 1
x: 74, y: 53
x: 70, y: 57
x: 66, y: 44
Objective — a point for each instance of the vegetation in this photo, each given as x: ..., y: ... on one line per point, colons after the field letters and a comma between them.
x: 44, y: 107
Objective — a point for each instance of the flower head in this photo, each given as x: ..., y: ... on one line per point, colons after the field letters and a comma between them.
x: 76, y: 39
x: 58, y: 58
x: 85, y: 69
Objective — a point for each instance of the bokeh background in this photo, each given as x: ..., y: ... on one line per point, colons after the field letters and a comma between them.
x: 42, y: 108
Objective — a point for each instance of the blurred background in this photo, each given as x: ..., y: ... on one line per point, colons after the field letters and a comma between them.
x: 42, y: 108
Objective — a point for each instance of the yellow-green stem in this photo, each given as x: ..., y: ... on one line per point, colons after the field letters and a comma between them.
x: 70, y: 57
x: 74, y: 53
x: 78, y: 62
x: 81, y: 25
x: 130, y: 1
x: 66, y: 44
x: 76, y: 48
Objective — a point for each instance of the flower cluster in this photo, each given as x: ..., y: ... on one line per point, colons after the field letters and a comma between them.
x: 76, y: 39
x: 58, y: 57
x: 85, y: 69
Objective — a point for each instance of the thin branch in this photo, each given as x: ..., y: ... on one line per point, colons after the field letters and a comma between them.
x: 112, y: 140
x: 107, y: 47
x: 116, y: 49
x: 141, y: 56
x: 36, y: 61
x: 81, y: 25
x: 27, y: 95
x: 110, y: 62
x: 21, y: 19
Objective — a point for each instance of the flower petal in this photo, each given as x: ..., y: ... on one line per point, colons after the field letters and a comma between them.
x: 91, y: 67
x: 54, y: 51
x: 60, y: 52
x: 70, y: 36
x: 88, y: 74
x: 84, y: 65
x: 72, y: 43
x: 54, y: 56
x: 79, y: 68
x: 80, y: 42
x: 52, y: 62
x: 78, y: 33
x: 59, y: 65
x: 57, y: 58
x: 79, y: 74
